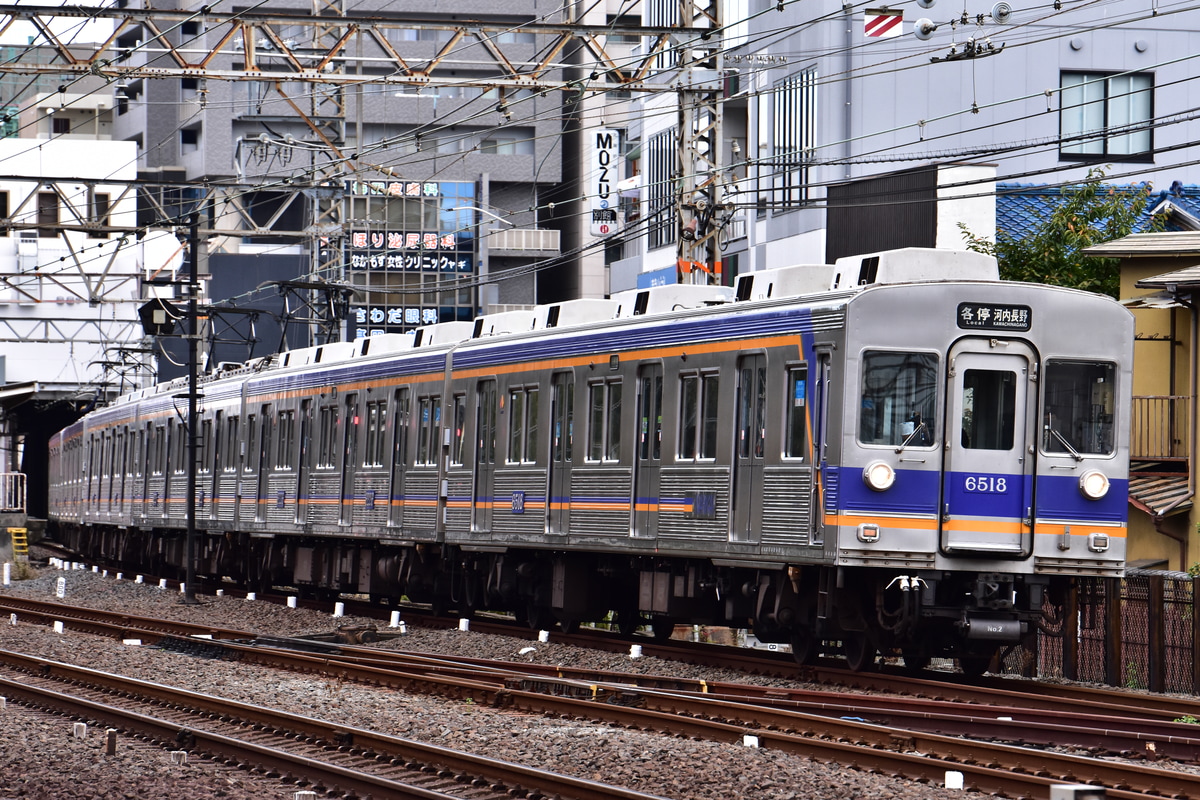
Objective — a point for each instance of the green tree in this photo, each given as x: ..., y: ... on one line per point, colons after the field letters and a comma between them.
x: 1090, y: 213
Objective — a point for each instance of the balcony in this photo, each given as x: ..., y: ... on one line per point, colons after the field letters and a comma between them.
x: 523, y: 242
x: 1161, y: 428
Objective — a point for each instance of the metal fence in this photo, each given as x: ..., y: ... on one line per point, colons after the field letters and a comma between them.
x: 1140, y: 632
x: 12, y: 492
x: 1160, y: 427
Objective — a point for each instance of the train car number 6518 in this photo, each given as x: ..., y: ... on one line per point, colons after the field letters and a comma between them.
x: 985, y: 484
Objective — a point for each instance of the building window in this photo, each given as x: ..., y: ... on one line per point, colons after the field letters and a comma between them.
x: 517, y: 143
x: 661, y: 151
x: 795, y: 135
x: 189, y: 140
x: 47, y: 214
x: 1118, y: 109
x: 60, y: 125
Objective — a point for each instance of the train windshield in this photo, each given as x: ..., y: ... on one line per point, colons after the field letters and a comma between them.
x: 899, y: 398
x: 1078, y: 412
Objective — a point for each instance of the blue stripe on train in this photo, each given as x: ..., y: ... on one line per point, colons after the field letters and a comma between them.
x: 916, y: 492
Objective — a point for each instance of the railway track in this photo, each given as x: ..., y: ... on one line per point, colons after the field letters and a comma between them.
x: 303, y: 750
x: 902, y: 736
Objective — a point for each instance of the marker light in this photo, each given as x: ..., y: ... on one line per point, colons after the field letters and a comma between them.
x: 879, y: 475
x: 1093, y: 484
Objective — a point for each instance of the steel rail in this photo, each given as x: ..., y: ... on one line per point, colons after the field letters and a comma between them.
x: 334, y: 734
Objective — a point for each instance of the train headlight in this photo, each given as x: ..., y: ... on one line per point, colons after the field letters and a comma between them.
x: 879, y: 475
x: 1093, y: 484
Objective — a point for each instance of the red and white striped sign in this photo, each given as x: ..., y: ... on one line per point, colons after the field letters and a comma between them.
x: 882, y: 22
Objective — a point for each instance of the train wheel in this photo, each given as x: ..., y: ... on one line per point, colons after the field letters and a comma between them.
x: 569, y: 625
x: 914, y: 660
x: 805, y: 645
x: 860, y: 652
x: 662, y: 627
x: 974, y: 665
x: 538, y: 618
x: 628, y: 622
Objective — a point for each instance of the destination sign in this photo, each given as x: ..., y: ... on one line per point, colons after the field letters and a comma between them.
x: 994, y: 317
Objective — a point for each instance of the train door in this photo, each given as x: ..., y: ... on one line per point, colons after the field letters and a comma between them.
x: 349, y: 459
x: 749, y: 448
x: 303, y: 462
x: 400, y: 411
x: 648, y: 458
x: 987, y: 479
x: 485, y: 456
x: 562, y: 424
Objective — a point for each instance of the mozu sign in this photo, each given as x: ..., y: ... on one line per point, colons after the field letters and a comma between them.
x: 603, y: 154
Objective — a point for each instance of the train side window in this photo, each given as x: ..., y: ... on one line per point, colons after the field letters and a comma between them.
x: 231, y: 444
x: 351, y: 442
x: 604, y: 421
x: 178, y: 437
x: 1078, y: 407
x: 429, y: 422
x: 204, y: 464
x: 250, y: 463
x: 752, y: 408
x: 286, y: 439
x: 460, y: 424
x: 327, y: 425
x: 698, y: 393
x: 158, y: 451
x: 898, y: 397
x: 485, y: 452
x: 376, y: 429
x: 795, y: 443
x: 400, y: 428
x: 523, y: 425
x: 269, y: 434
x: 563, y: 433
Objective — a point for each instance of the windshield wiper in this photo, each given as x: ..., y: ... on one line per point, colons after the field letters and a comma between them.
x: 1063, y: 441
x: 920, y: 427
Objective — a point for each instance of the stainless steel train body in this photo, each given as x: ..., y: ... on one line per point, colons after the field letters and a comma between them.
x: 909, y: 461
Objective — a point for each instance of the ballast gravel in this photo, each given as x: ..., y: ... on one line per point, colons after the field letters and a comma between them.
x: 41, y: 758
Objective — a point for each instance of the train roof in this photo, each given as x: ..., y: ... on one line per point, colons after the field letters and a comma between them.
x: 818, y: 283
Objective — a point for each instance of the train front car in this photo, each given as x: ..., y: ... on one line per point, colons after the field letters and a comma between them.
x: 983, y: 463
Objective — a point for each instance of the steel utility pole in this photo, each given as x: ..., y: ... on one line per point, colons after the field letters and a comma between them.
x: 701, y: 204
x: 193, y: 367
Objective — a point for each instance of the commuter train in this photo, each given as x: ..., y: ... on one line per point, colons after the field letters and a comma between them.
x: 897, y: 453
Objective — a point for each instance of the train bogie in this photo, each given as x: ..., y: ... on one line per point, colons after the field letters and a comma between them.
x: 911, y: 463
